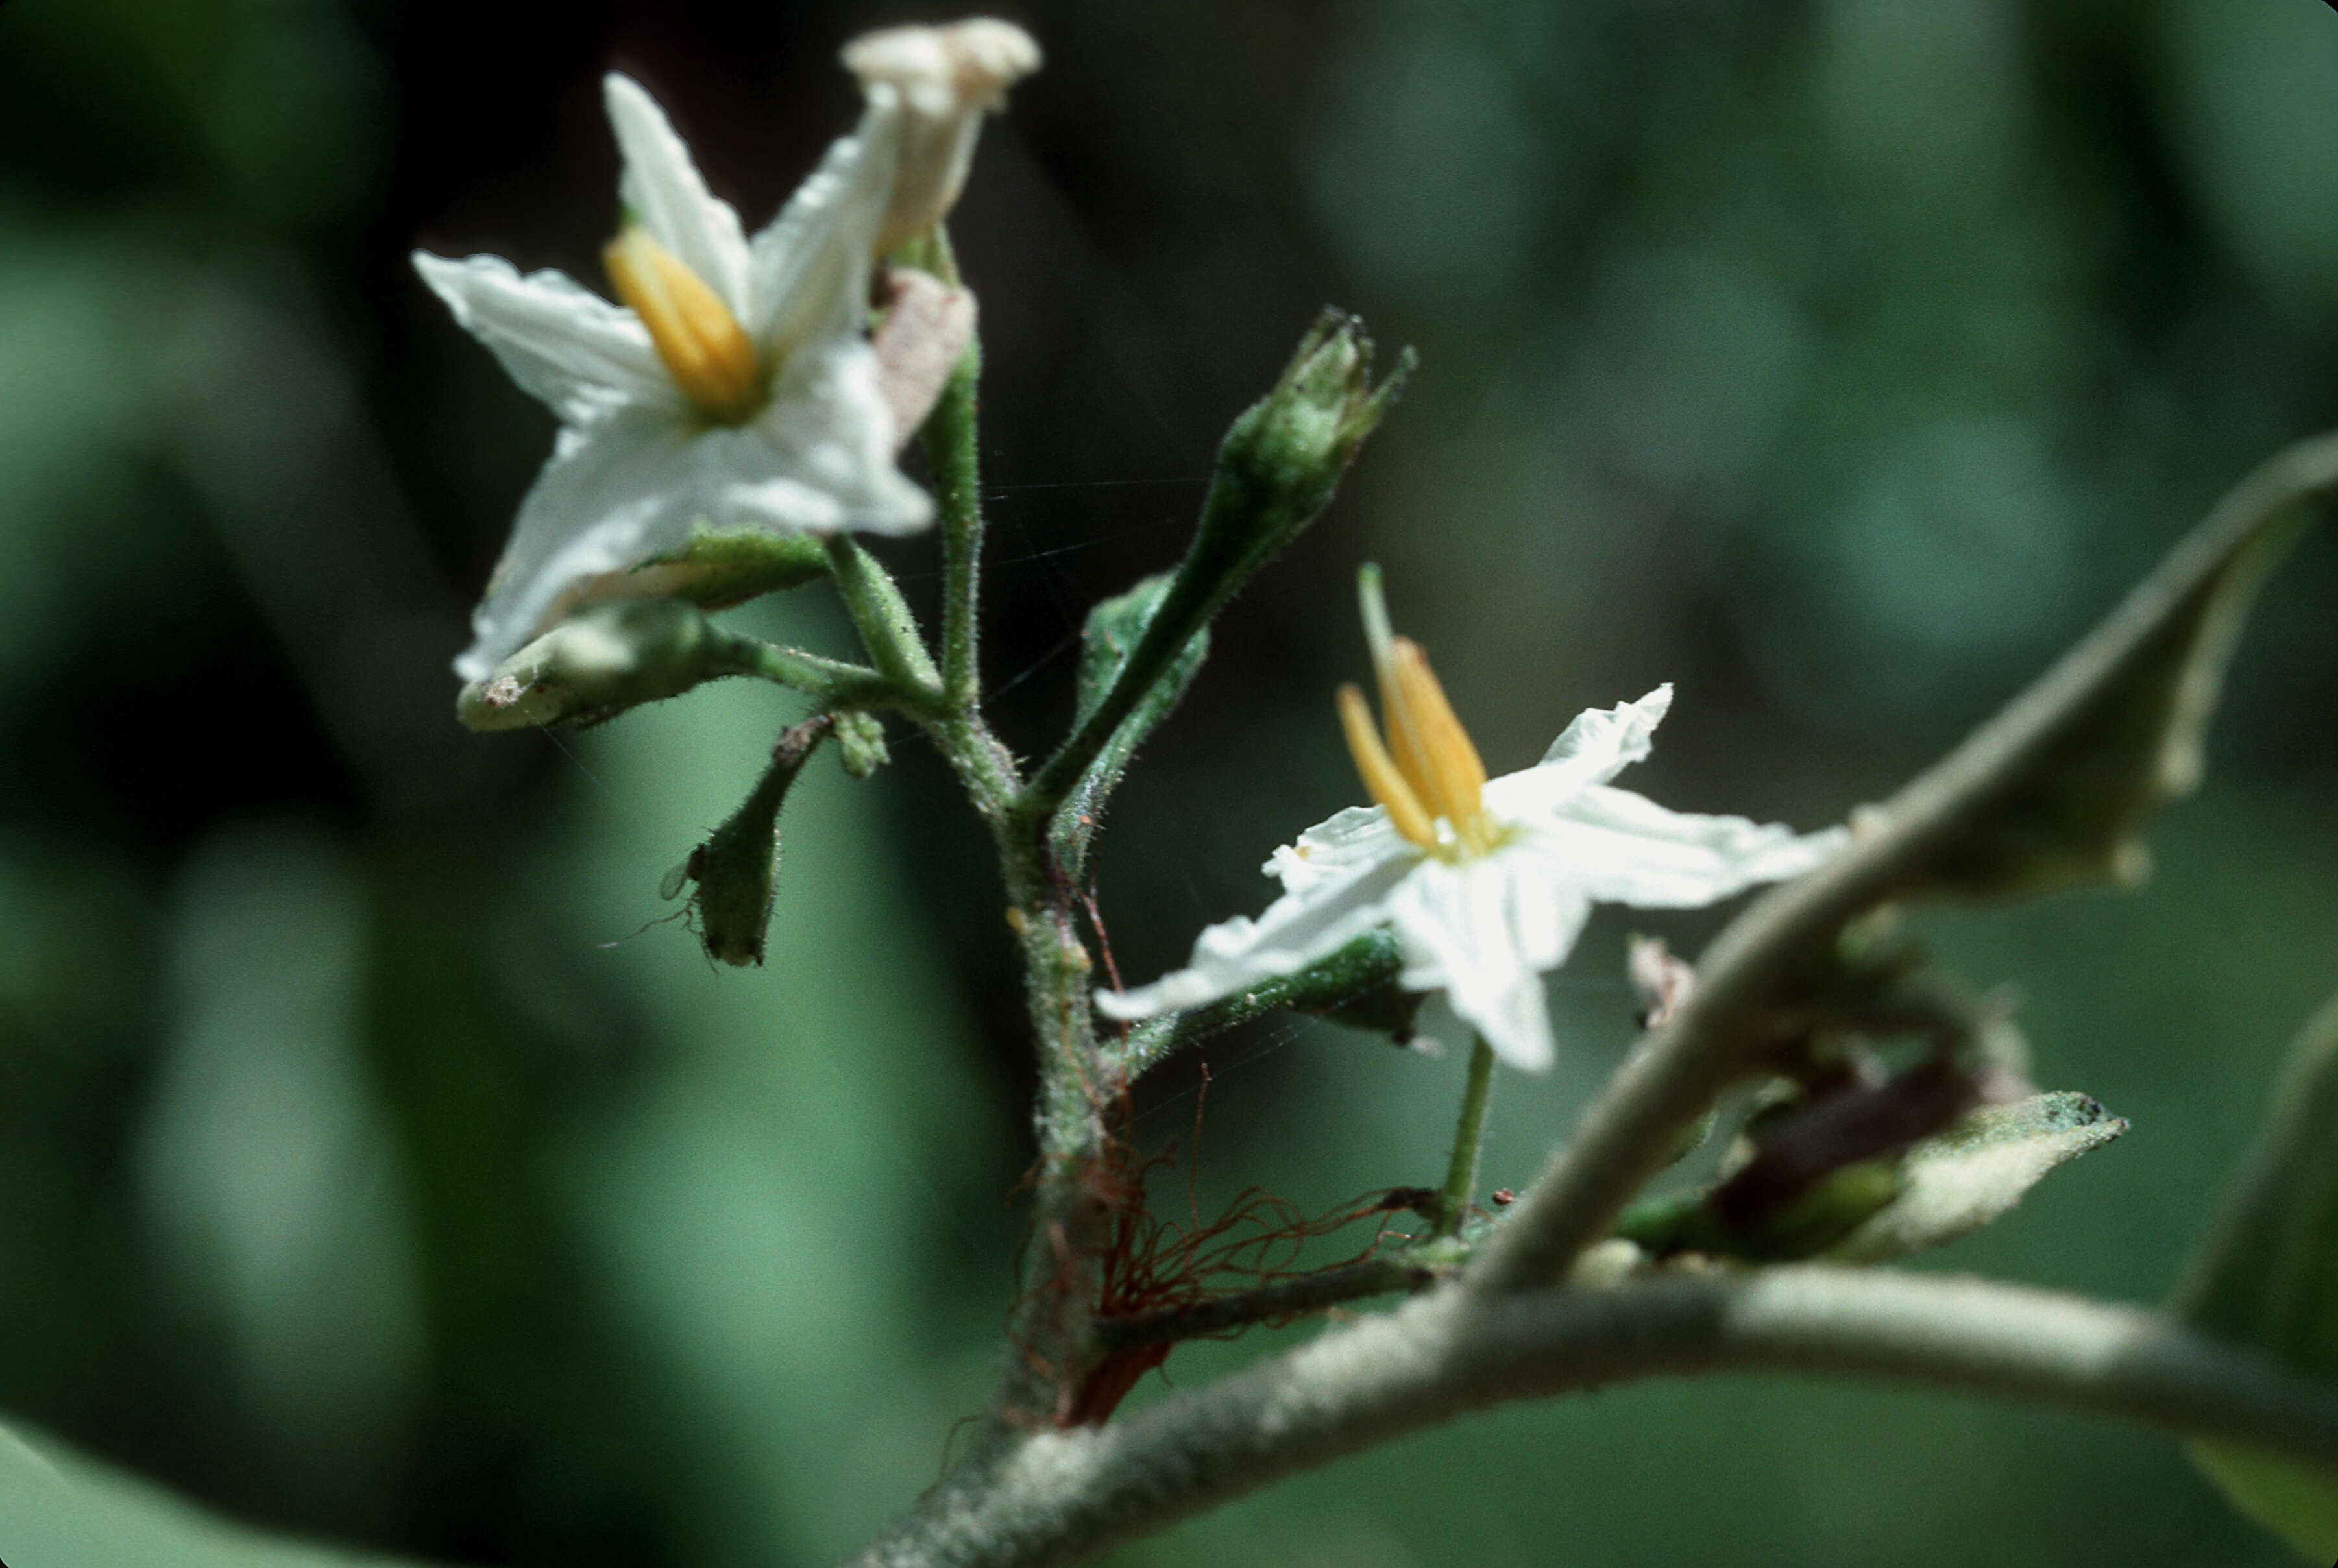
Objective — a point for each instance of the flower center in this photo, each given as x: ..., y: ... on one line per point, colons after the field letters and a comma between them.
x: 1426, y: 772
x: 709, y: 355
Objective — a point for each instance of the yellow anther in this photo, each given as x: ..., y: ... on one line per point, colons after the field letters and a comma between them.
x: 709, y: 354
x: 1387, y: 785
x: 1450, y: 776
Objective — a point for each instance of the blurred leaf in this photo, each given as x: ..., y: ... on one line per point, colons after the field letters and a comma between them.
x: 1957, y: 1182
x: 2055, y: 790
x: 2268, y: 1278
x: 60, y: 1509
x: 2298, y: 1505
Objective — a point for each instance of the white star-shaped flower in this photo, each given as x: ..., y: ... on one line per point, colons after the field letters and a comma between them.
x: 734, y: 386
x: 1485, y: 883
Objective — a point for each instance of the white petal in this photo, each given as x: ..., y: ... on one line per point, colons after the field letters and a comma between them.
x: 821, y: 454
x: 662, y: 188
x: 810, y: 264
x: 1621, y: 848
x: 582, y: 355
x: 1297, y: 929
x: 613, y: 495
x: 1603, y: 741
x: 1347, y: 838
x: 935, y: 84
x: 1484, y: 931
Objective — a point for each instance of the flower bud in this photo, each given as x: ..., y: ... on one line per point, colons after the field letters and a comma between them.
x: 860, y: 741
x: 594, y: 665
x: 931, y: 87
x: 1283, y: 458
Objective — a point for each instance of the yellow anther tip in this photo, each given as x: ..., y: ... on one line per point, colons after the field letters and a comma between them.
x: 701, y: 344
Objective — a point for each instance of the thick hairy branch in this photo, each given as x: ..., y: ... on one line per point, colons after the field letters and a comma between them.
x: 1065, y: 1497
x: 2052, y: 790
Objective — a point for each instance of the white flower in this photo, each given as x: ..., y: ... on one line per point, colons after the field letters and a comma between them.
x: 734, y: 386
x: 1486, y: 883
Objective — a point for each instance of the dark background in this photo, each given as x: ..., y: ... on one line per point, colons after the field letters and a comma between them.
x: 377, y: 1159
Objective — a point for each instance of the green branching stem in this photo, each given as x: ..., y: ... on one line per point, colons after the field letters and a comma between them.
x: 1068, y: 1497
x: 832, y: 682
x: 1469, y: 1139
x: 1665, y: 1085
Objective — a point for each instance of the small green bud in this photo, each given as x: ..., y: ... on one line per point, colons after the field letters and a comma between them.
x: 594, y: 665
x: 736, y: 870
x: 1279, y: 465
x: 860, y: 741
x: 1283, y: 457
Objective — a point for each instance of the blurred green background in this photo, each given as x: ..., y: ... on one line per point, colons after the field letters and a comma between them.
x: 377, y: 1160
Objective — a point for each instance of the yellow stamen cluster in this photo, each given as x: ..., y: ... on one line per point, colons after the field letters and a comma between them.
x: 711, y: 357
x: 1427, y: 770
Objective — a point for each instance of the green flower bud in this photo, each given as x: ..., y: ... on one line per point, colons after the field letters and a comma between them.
x: 596, y: 664
x: 1283, y: 457
x: 861, y: 740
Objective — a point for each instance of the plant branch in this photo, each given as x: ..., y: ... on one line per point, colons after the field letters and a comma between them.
x: 1267, y: 1303
x: 1939, y: 831
x: 1066, y: 1497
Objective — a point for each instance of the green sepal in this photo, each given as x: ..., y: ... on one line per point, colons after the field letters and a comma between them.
x: 735, y: 871
x: 721, y: 568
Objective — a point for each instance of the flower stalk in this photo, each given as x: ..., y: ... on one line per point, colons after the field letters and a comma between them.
x: 1468, y: 1141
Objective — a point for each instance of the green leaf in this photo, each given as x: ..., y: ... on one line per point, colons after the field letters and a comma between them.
x: 736, y: 870
x: 2054, y: 791
x: 2296, y: 1503
x: 2267, y: 1278
x: 1936, y: 1190
x: 1958, y: 1181
x: 60, y: 1509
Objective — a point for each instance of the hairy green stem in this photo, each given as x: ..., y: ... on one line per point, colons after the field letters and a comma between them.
x: 1469, y: 1140
x: 1062, y: 1498
x: 831, y: 681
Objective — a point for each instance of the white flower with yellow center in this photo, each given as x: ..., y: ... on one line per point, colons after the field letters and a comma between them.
x: 734, y: 385
x: 1485, y: 883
